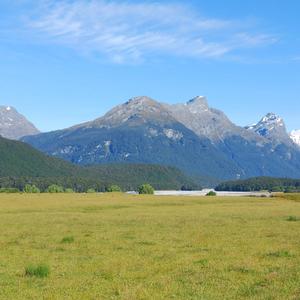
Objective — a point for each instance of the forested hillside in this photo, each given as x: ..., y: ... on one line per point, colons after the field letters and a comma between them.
x: 21, y: 164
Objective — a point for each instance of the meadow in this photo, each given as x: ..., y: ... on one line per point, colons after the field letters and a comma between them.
x: 115, y: 246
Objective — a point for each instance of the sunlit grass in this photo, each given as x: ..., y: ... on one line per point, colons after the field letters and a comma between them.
x: 116, y: 246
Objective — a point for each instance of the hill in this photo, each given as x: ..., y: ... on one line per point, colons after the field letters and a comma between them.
x: 20, y: 163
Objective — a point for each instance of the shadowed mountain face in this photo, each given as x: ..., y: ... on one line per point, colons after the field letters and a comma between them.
x: 14, y: 125
x: 194, y: 137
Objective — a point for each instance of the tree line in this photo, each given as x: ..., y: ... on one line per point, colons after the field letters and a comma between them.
x: 63, y: 185
x: 271, y: 184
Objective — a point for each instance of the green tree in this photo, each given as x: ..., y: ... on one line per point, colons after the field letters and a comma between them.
x: 146, y: 189
x: 114, y: 188
x: 69, y: 190
x: 31, y: 189
x: 91, y: 191
x: 211, y: 194
x: 54, y: 188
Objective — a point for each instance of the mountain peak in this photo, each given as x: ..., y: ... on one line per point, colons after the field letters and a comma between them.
x: 137, y: 110
x: 5, y: 108
x: 272, y: 118
x: 140, y: 100
x: 198, y: 103
x: 268, y: 123
x: 270, y: 126
x: 14, y: 125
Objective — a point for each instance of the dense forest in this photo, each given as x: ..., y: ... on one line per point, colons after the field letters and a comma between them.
x: 261, y: 183
x: 100, y: 179
x: 20, y: 164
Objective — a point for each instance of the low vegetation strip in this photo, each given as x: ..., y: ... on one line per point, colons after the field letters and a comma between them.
x: 118, y: 246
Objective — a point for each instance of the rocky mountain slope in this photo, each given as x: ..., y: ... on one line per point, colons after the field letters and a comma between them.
x: 204, y: 121
x: 198, y: 139
x: 14, y: 125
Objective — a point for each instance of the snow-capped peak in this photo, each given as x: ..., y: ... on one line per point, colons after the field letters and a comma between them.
x: 272, y: 118
x: 270, y: 126
x: 295, y: 136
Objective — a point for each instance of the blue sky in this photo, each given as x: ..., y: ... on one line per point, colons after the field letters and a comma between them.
x: 65, y: 62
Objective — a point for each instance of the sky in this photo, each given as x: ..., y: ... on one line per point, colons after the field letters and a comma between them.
x: 63, y: 62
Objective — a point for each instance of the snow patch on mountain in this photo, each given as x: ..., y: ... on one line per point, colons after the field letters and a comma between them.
x: 295, y: 136
x: 267, y: 124
x: 173, y: 134
x: 271, y: 127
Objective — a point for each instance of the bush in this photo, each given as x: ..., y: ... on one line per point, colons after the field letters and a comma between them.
x: 113, y: 188
x: 69, y: 190
x: 54, y: 188
x: 40, y: 271
x: 146, y: 189
x: 91, y: 191
x: 9, y: 190
x: 32, y: 189
x: 211, y: 194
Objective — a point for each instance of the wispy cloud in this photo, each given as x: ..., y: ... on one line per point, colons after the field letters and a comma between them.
x: 131, y: 32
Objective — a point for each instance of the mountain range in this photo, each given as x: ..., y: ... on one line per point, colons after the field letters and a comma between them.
x: 192, y: 136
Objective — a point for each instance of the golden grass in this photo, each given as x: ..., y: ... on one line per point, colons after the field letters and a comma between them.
x: 147, y: 247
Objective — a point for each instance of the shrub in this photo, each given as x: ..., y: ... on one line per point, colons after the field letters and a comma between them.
x: 54, y: 188
x: 69, y: 190
x: 282, y: 253
x: 146, y: 189
x: 9, y: 190
x: 31, y: 189
x: 68, y: 240
x: 211, y: 194
x: 113, y: 188
x: 91, y: 191
x: 40, y: 271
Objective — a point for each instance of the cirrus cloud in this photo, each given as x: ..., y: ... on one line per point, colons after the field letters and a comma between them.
x: 128, y: 32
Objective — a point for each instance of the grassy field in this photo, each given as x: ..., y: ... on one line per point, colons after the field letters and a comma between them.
x: 132, y: 247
